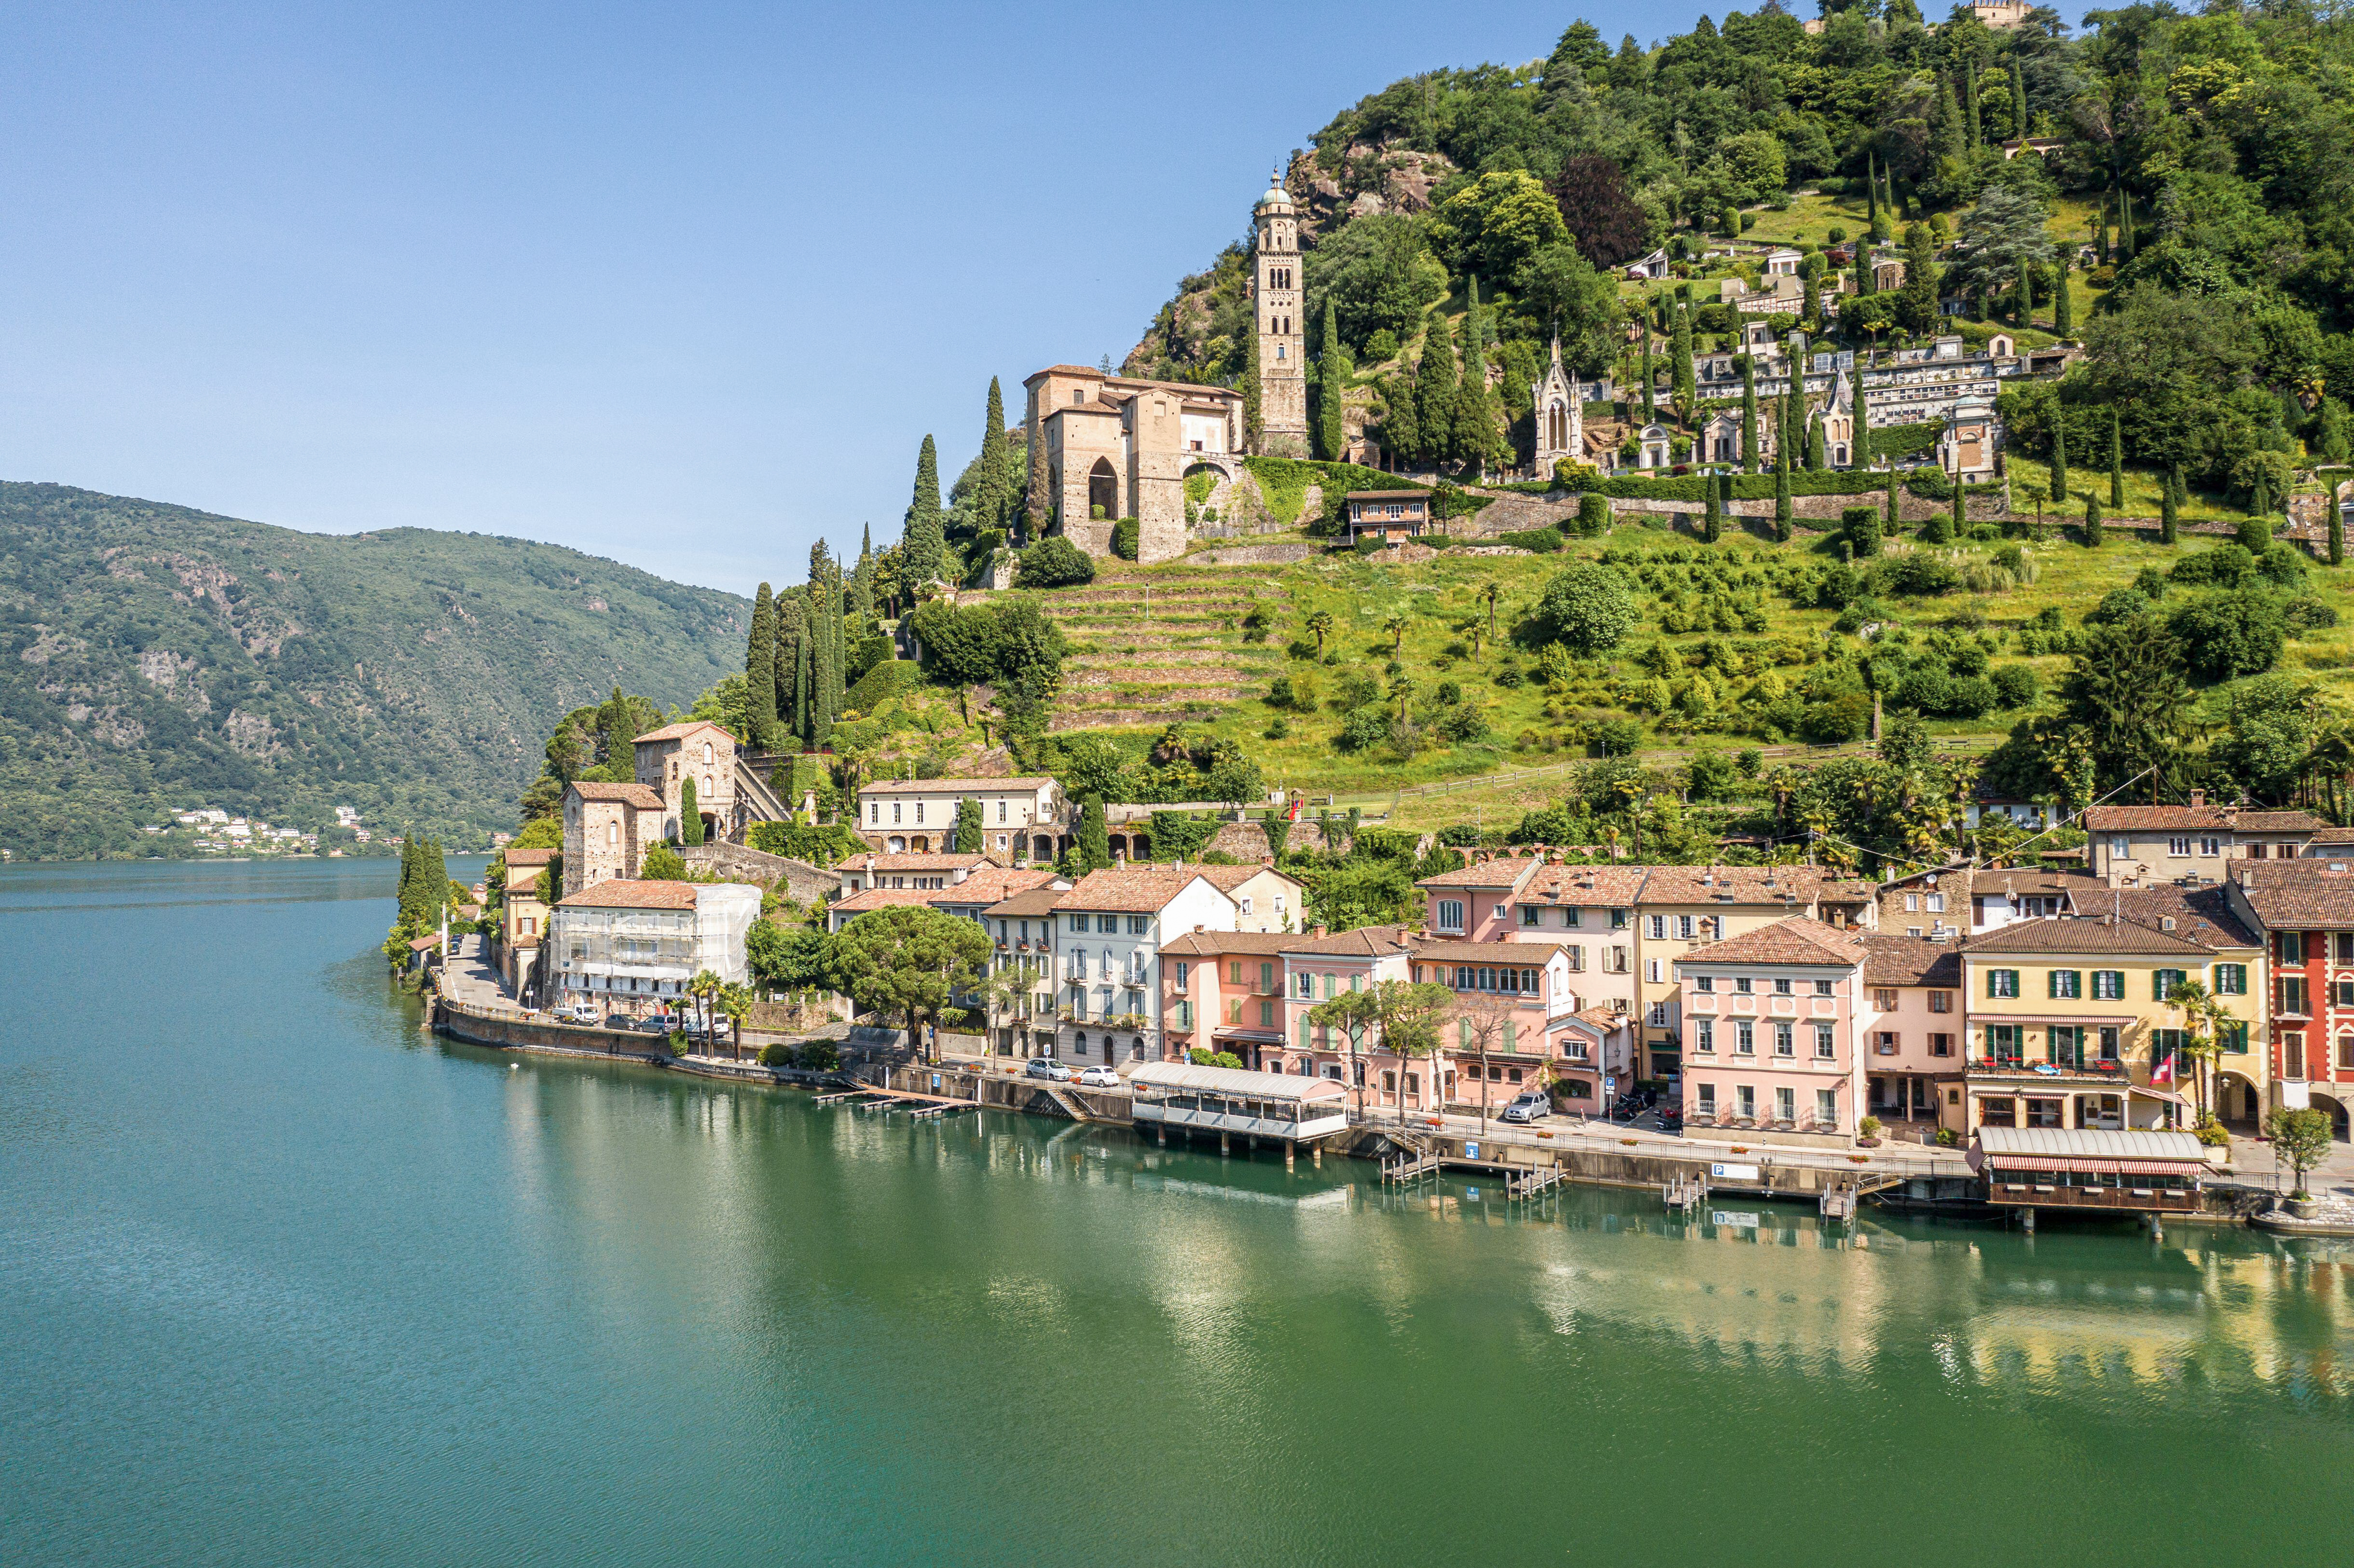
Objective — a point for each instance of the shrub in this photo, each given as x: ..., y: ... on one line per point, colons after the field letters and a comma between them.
x: 1587, y: 607
x: 1123, y: 538
x: 1619, y: 737
x: 1509, y: 675
x: 1593, y: 514
x: 892, y: 678
x: 779, y: 1055
x: 1919, y: 575
x: 1843, y: 717
x: 1463, y: 724
x: 2224, y: 635
x: 820, y: 1056
x: 1383, y: 344
x: 2307, y: 615
x: 2017, y: 685
x: 1364, y: 727
x: 1054, y: 562
x: 1536, y: 541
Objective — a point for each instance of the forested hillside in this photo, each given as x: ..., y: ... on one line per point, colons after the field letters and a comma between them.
x: 153, y: 656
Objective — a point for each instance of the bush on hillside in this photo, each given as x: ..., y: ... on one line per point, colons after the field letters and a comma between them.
x: 1054, y: 562
x: 1123, y: 538
x: 891, y: 678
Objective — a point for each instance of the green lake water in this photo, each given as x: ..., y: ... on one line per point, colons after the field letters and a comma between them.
x: 283, y: 1280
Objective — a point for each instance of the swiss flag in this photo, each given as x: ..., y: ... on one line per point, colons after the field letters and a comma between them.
x: 2163, y: 1073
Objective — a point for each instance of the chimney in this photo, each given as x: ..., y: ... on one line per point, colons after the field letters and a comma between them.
x: 2198, y: 798
x: 1316, y: 931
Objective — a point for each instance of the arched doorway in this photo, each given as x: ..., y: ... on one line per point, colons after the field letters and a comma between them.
x: 1103, y: 490
x: 1042, y: 847
x: 2335, y: 1109
x: 2238, y: 1105
x: 1556, y: 426
x: 894, y: 844
x: 920, y: 844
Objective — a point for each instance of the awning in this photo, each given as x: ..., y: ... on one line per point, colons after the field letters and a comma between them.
x: 2084, y: 1019
x: 2150, y: 1092
x: 2108, y: 1167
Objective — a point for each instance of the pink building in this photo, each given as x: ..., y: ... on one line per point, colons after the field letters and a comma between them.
x: 1772, y: 1048
x: 1475, y: 903
x: 1911, y: 1030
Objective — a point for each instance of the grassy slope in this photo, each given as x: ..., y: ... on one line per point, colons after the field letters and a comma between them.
x: 412, y: 673
x: 1438, y: 597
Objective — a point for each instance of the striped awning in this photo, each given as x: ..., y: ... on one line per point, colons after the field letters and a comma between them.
x: 2106, y: 1167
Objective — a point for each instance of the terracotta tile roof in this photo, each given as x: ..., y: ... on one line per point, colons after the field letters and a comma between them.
x: 2333, y: 835
x: 1364, y: 942
x: 1732, y: 884
x: 1911, y: 960
x: 638, y: 795
x: 1035, y: 902
x: 2154, y: 819
x: 908, y: 862
x: 2203, y: 915
x: 1211, y: 944
x: 883, y: 898
x: 1799, y: 939
x: 994, y: 884
x: 2083, y: 933
x: 1500, y: 872
x: 1138, y: 888
x: 2277, y: 822
x: 2297, y: 894
x: 954, y: 786
x: 622, y: 893
x: 681, y: 731
x: 1587, y: 886
x: 1226, y: 878
x: 1519, y: 955
x: 521, y: 857
x: 1603, y: 1017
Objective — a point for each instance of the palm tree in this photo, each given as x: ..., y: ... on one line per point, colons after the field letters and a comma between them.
x: 2204, y: 1018
x: 1396, y: 626
x: 1401, y: 688
x: 1319, y: 625
x: 734, y: 1004
x: 1488, y: 591
x: 704, y: 987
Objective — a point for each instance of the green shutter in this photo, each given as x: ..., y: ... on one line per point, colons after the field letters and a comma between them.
x: 2052, y: 983
x: 1303, y: 1032
x: 2234, y: 1038
x: 1463, y: 1030
x: 1511, y: 1030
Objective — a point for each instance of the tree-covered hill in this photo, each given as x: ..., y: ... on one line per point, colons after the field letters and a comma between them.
x: 153, y: 656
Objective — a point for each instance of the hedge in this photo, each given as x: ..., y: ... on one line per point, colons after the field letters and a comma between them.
x: 891, y: 678
x: 1537, y: 541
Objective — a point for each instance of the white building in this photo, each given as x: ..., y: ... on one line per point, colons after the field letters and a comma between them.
x: 634, y: 945
x: 1019, y: 818
x: 1108, y: 937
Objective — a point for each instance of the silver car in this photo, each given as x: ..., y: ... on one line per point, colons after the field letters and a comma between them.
x: 1529, y: 1106
x: 1048, y: 1068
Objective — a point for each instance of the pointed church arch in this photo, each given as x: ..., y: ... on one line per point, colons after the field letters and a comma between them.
x: 1103, y: 490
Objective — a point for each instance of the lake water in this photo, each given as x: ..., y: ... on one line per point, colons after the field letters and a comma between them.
x: 284, y: 1280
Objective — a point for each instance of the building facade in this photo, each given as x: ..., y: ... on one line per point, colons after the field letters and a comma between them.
x: 632, y: 946
x: 1279, y: 305
x: 608, y: 828
x: 698, y: 749
x: 1020, y: 818
x: 1772, y: 1027
x: 1108, y: 447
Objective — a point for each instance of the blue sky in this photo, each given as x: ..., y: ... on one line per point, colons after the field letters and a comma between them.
x: 684, y: 285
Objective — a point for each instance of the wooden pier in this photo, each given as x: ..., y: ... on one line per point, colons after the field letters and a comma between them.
x: 1684, y: 1194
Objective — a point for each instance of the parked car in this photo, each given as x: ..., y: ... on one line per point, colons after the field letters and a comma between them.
x: 1047, y: 1067
x: 657, y: 1024
x: 1099, y: 1077
x: 1527, y: 1106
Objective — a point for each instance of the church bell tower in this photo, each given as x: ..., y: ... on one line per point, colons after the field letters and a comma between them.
x: 1280, y: 298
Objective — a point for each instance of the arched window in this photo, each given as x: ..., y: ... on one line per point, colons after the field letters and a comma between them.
x: 707, y: 760
x: 612, y: 834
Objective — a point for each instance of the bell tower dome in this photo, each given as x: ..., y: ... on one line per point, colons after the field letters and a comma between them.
x: 1280, y: 300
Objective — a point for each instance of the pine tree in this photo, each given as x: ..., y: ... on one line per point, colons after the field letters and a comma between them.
x: 2063, y: 314
x: 995, y: 505
x: 1748, y: 414
x: 2166, y: 511
x: 2018, y: 121
x: 2091, y: 521
x: 690, y: 812
x: 2117, y: 462
x: 924, y: 539
x: 2059, y: 460
x: 1436, y: 380
x: 1332, y: 390
x: 760, y: 667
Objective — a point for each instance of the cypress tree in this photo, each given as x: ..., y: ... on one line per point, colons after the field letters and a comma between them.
x: 1436, y: 380
x: 1862, y: 266
x: 2100, y: 229
x: 2025, y: 313
x: 760, y: 667
x: 1871, y: 192
x: 1782, y: 457
x: 405, y: 901
x: 968, y: 827
x: 1401, y: 430
x: 2091, y: 521
x: 2260, y: 504
x: 2059, y: 460
x: 1748, y: 414
x: 995, y: 505
x: 2125, y: 235
x: 1253, y: 416
x: 1817, y: 454
x: 1945, y: 123
x: 1687, y: 381
x: 805, y: 673
x: 1094, y: 836
x: 924, y: 535
x: 1970, y: 104
x: 1888, y: 502
x: 1331, y: 389
x: 862, y: 581
x: 2166, y: 512
x: 1475, y: 419
x: 1961, y: 507
x: 1711, y: 526
x: 2017, y: 100
x: 2063, y: 314
x: 690, y: 812
x: 2117, y: 462
x: 2336, y: 533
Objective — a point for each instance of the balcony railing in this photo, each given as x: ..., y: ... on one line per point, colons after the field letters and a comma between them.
x: 2092, y: 1070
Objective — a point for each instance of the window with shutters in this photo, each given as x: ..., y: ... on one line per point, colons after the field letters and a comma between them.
x: 2230, y: 979
x: 2162, y: 984
x: 2066, y: 984
x: 2002, y: 982
x: 2108, y: 985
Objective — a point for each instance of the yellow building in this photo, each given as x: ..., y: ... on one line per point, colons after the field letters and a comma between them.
x: 2068, y: 1025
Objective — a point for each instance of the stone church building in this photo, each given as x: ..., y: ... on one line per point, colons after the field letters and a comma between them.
x: 1115, y: 446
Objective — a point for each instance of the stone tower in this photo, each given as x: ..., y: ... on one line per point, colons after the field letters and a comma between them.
x: 1561, y: 418
x: 1281, y: 300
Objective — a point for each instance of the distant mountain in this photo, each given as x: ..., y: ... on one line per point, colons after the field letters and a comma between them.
x: 153, y: 656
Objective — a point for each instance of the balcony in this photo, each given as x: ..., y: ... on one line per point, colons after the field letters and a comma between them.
x: 2093, y: 1071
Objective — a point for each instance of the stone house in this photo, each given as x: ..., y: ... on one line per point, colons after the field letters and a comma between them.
x: 608, y: 828
x: 522, y: 917
x: 2137, y: 844
x: 705, y: 752
x: 1113, y: 446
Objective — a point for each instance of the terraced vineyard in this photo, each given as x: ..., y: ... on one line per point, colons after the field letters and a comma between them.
x: 1153, y: 649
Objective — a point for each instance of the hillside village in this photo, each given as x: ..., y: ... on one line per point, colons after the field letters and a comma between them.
x: 1827, y: 560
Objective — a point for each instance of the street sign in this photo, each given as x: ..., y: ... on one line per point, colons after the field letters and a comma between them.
x: 1733, y: 1217
x: 1470, y: 1151
x: 1733, y: 1173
